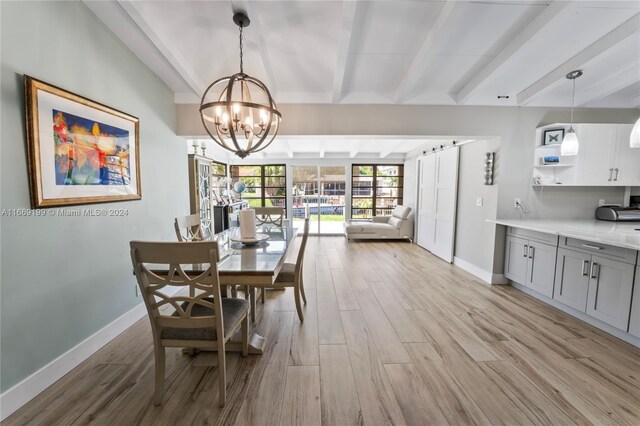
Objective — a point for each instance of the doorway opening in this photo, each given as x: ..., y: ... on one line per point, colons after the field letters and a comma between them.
x: 319, y: 192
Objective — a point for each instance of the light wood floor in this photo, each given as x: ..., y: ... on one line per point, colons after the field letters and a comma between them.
x: 392, y: 335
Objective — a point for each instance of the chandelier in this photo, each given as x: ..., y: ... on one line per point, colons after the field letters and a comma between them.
x: 238, y: 111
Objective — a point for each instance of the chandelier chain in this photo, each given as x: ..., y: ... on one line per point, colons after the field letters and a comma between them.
x: 241, y: 64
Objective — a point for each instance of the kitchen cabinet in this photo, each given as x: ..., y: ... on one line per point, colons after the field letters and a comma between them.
x: 531, y: 263
x: 626, y: 160
x: 572, y: 278
x: 594, y: 284
x: 610, y: 288
x: 634, y: 320
x: 604, y: 157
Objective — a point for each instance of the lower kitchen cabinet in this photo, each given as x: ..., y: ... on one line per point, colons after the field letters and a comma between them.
x: 531, y: 264
x: 542, y: 267
x: 598, y: 286
x: 610, y: 288
x: 634, y: 320
x: 572, y: 279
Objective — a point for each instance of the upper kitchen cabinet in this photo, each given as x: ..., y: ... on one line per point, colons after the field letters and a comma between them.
x: 605, y: 157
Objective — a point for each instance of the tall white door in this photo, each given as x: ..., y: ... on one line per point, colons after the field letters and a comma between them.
x: 437, y: 205
x: 426, y: 202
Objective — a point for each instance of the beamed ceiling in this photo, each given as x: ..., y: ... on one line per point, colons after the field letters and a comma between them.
x: 393, y: 52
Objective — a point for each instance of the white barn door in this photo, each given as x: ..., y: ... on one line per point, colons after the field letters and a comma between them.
x: 438, y: 193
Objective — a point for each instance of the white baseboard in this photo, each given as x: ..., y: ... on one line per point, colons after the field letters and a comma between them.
x: 486, y: 276
x: 21, y: 393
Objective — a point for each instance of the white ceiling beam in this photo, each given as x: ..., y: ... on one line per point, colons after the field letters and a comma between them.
x: 166, y: 48
x: 427, y: 50
x: 614, y: 37
x: 534, y: 27
x: 247, y: 7
x: 322, y: 153
x: 610, y: 85
x: 353, y: 13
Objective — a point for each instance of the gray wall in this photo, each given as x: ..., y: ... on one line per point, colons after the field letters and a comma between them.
x: 474, y: 236
x: 64, y: 278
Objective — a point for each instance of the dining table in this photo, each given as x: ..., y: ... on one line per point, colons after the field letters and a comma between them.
x: 254, y: 266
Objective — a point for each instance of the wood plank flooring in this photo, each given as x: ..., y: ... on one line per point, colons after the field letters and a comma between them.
x: 392, y: 335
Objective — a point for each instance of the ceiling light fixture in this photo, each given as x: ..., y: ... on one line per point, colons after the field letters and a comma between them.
x: 634, y: 140
x: 238, y: 111
x: 570, y: 143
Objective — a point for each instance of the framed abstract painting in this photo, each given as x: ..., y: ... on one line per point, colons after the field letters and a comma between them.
x: 79, y: 151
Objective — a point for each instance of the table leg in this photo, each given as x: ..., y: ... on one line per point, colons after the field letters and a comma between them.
x: 252, y: 300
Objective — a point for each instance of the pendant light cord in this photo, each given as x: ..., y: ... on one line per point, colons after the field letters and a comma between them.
x: 241, y: 64
x: 573, y: 97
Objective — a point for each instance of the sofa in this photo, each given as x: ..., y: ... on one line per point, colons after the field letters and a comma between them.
x: 397, y: 226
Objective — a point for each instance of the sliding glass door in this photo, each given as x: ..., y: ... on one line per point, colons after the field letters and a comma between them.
x: 319, y: 192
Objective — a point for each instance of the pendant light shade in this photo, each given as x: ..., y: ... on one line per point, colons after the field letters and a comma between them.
x: 635, y: 135
x: 570, y: 145
x: 238, y: 111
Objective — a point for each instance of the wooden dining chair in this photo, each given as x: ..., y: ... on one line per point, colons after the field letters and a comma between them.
x: 188, y: 228
x: 202, y: 320
x: 291, y: 274
x: 269, y: 215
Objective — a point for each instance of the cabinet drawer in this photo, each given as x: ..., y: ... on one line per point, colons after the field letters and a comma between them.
x: 533, y: 235
x: 612, y: 252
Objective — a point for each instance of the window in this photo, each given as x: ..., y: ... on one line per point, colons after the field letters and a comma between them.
x: 375, y: 189
x: 266, y: 185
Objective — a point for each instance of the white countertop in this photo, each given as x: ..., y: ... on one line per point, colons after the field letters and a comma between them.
x: 620, y: 234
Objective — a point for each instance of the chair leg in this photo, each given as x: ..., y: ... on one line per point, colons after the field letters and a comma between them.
x: 262, y: 291
x: 246, y: 292
x: 245, y: 336
x: 296, y: 296
x: 234, y: 292
x: 159, y: 359
x: 222, y: 374
x: 304, y: 296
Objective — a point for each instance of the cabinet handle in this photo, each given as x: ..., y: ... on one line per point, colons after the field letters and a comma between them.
x: 531, y: 252
x: 585, y: 268
x: 589, y: 246
x: 526, y: 248
x: 616, y: 177
x: 594, y: 270
x: 610, y: 174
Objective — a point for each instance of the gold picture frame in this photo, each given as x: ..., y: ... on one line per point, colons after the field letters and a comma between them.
x: 79, y: 151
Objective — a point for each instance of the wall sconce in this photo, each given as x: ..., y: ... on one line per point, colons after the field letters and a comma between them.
x: 488, y: 168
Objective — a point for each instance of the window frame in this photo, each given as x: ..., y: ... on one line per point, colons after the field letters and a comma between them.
x: 374, y: 187
x: 263, y: 180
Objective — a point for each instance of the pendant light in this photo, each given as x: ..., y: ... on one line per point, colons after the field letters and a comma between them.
x: 238, y: 111
x: 570, y: 143
x: 634, y: 140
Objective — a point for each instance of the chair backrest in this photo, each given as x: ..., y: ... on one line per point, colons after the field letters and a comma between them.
x: 269, y: 215
x: 159, y: 270
x: 189, y: 228
x: 303, y: 246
